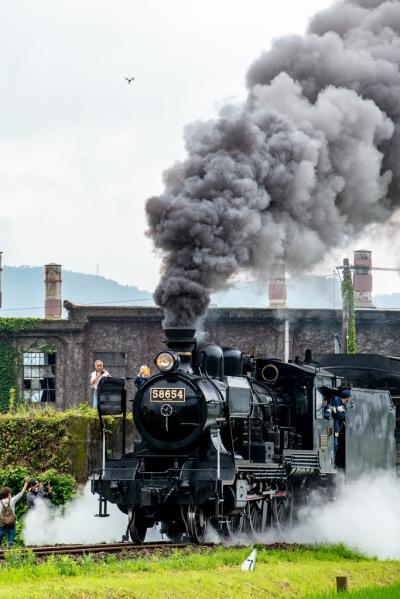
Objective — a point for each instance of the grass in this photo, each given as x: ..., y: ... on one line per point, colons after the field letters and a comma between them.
x: 391, y: 592
x: 200, y: 574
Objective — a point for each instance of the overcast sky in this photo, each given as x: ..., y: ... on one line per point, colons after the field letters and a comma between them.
x: 81, y: 150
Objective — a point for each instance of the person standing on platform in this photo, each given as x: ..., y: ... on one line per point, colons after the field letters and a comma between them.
x: 142, y: 377
x: 96, y: 376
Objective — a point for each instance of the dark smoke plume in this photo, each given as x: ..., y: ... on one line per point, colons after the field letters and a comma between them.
x: 311, y: 158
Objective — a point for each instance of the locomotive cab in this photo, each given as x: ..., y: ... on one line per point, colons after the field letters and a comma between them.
x: 370, y: 440
x: 305, y: 435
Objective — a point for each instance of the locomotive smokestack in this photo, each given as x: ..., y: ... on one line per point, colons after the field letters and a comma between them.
x: 182, y: 341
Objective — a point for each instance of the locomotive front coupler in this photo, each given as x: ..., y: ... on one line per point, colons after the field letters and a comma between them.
x: 170, y: 493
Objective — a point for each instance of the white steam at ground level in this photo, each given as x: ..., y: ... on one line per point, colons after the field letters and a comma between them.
x: 75, y: 522
x: 364, y: 515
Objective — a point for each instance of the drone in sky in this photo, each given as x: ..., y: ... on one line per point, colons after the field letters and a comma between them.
x: 129, y: 79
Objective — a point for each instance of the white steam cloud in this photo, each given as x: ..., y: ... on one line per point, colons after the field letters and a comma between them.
x: 311, y: 158
x: 73, y: 523
x: 364, y: 516
x: 76, y: 522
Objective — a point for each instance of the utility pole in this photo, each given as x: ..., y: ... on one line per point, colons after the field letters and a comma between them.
x: 349, y: 342
x: 345, y: 309
x: 1, y: 270
x: 349, y: 339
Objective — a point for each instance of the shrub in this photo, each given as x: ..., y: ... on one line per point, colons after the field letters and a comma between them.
x: 63, y: 486
x: 63, y: 489
x: 35, y: 441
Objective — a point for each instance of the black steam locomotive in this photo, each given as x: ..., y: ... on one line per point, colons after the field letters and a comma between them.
x: 232, y: 441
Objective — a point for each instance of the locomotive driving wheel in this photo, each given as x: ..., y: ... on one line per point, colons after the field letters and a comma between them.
x: 254, y: 517
x: 282, y: 511
x: 233, y: 526
x: 137, y: 527
x: 197, y: 524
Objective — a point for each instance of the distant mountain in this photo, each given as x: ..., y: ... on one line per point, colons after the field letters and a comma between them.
x: 302, y: 292
x: 23, y: 292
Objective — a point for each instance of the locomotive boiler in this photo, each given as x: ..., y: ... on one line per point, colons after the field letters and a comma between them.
x: 229, y: 441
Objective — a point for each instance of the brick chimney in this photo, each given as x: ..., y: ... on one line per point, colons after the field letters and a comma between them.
x: 277, y: 286
x: 362, y: 279
x: 1, y: 288
x: 52, y: 282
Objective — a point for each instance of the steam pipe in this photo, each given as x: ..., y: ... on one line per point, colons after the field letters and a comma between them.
x: 287, y: 340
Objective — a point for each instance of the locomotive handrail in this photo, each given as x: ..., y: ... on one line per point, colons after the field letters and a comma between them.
x: 160, y: 472
x: 219, y: 393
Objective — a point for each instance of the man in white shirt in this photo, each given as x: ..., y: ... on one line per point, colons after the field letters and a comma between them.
x: 96, y: 377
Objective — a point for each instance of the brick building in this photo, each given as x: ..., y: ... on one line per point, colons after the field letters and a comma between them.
x: 58, y: 354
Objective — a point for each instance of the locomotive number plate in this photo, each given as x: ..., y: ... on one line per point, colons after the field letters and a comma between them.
x: 164, y: 394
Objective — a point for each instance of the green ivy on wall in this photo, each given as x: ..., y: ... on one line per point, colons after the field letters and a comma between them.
x: 348, y: 301
x: 36, y: 441
x: 10, y: 358
x: 43, y: 439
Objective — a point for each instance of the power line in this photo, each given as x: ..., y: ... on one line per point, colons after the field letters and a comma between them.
x: 147, y: 299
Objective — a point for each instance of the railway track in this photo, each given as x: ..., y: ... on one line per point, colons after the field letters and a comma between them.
x: 102, y: 548
x: 127, y: 548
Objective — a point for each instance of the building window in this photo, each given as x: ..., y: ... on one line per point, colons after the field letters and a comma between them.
x: 39, y: 376
x: 114, y: 362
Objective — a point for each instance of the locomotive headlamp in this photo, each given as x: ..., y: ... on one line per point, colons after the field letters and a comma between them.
x: 166, y: 361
